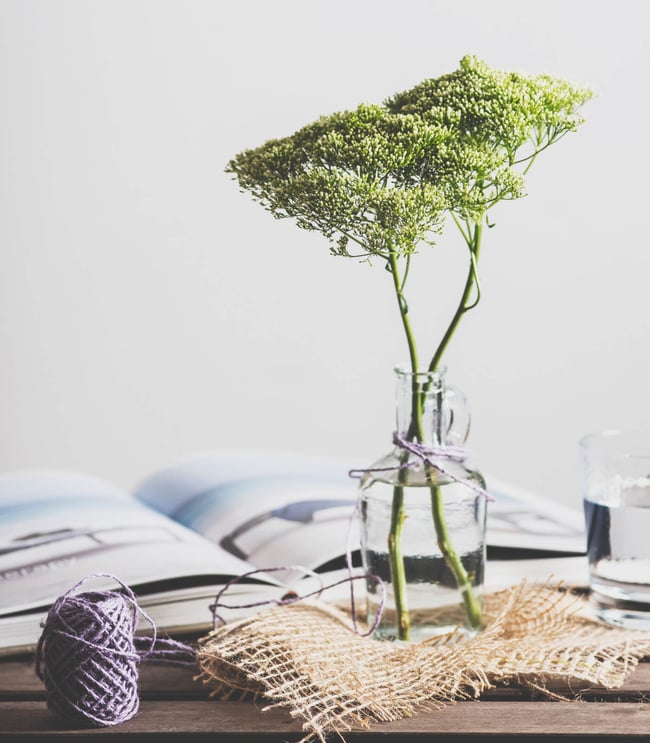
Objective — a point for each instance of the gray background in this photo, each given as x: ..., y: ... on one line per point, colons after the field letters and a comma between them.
x: 148, y: 310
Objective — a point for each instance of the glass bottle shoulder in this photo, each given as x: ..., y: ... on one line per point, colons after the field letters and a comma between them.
x: 400, y: 467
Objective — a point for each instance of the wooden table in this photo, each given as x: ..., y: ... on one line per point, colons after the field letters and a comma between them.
x: 174, y: 705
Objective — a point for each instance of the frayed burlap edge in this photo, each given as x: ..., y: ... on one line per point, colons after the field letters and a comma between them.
x: 305, y: 658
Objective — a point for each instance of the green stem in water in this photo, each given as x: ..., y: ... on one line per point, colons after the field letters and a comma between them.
x: 396, y: 562
x: 463, y: 581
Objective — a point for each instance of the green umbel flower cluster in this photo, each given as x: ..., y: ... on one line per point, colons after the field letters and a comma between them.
x: 505, y: 110
x: 352, y: 176
x: 385, y: 177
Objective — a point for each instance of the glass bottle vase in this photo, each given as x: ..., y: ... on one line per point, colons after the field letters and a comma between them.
x: 423, y: 517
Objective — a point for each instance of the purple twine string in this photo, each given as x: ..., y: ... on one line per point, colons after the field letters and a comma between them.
x: 291, y: 597
x: 430, y: 455
x: 87, y: 655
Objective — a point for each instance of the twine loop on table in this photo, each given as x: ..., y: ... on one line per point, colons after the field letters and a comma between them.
x: 87, y: 655
x: 291, y: 597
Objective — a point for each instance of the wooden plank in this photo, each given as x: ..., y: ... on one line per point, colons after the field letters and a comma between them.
x: 240, y: 720
x: 18, y: 680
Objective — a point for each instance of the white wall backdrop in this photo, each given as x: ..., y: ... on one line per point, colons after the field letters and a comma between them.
x: 149, y: 310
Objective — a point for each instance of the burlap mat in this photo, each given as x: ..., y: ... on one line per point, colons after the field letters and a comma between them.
x: 305, y: 657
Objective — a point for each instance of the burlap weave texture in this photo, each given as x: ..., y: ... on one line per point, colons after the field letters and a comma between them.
x: 306, y: 658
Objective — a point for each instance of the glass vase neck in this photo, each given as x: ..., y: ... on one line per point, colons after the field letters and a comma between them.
x: 428, y: 410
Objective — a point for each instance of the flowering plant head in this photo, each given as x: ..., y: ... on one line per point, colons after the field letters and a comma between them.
x: 381, y: 180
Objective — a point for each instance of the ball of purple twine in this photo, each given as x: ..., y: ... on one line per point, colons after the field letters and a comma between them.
x: 88, y: 655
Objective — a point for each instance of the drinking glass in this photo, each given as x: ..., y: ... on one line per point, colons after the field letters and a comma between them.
x: 615, y: 476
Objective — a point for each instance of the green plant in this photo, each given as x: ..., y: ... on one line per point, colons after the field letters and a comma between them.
x: 380, y: 181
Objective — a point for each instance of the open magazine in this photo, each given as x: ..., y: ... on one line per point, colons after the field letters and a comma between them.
x: 189, y: 529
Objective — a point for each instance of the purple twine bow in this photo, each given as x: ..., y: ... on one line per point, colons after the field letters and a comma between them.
x: 291, y: 598
x: 430, y: 455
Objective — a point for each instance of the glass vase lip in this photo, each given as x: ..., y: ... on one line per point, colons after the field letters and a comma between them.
x: 404, y: 371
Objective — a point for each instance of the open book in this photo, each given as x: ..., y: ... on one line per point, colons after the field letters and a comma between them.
x: 187, y: 530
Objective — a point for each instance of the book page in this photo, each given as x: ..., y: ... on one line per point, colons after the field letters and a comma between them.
x: 59, y: 527
x: 519, y: 519
x: 269, y: 509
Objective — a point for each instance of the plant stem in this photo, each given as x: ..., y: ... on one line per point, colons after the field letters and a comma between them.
x: 396, y: 563
x: 474, y: 246
x: 463, y: 581
x: 403, y: 310
x: 396, y: 559
x: 472, y: 606
x: 395, y: 556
